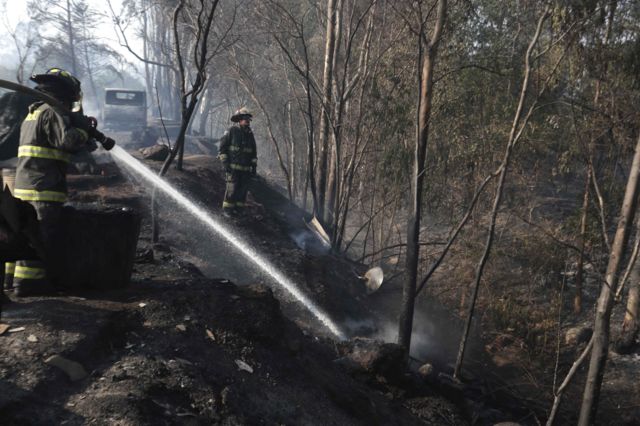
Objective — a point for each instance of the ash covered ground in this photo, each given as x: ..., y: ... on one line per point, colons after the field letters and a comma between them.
x: 183, y: 344
x: 202, y: 337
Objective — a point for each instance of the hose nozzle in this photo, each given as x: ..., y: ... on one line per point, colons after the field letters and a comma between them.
x: 108, y: 143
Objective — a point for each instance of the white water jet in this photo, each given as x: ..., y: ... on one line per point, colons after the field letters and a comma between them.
x: 244, y: 248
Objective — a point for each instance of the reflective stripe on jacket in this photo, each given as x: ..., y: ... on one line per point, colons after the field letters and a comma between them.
x: 47, y: 140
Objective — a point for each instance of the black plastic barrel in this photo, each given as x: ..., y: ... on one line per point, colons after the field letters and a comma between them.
x: 100, y: 246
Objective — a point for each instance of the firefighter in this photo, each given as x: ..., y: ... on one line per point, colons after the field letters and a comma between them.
x: 239, y: 157
x: 48, y: 137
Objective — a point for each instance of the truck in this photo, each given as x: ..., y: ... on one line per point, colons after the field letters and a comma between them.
x: 124, y: 110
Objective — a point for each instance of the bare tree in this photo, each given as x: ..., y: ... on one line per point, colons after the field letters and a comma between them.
x: 325, y: 103
x: 427, y: 57
x: 519, y: 123
x: 296, y: 51
x: 631, y: 323
x: 24, y: 36
x: 196, y: 18
x: 590, y: 176
x: 601, y: 330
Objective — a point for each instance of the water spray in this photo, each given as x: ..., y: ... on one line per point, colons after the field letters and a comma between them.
x: 221, y: 230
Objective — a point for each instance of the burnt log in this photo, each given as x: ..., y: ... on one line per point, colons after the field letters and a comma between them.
x: 156, y: 152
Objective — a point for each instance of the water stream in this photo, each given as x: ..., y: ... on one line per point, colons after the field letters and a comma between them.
x: 221, y: 230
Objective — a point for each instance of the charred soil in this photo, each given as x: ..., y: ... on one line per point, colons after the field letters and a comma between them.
x: 180, y: 346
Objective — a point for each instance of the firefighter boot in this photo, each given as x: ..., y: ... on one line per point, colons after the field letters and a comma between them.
x: 30, y: 279
x: 9, y: 268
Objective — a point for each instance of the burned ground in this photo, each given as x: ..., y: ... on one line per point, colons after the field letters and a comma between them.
x: 177, y: 347
x: 201, y: 337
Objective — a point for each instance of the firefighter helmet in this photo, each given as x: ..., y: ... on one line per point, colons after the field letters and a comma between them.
x: 58, y: 80
x: 241, y: 114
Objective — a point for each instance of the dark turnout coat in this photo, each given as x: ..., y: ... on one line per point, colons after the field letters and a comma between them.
x: 238, y: 154
x: 238, y: 149
x: 47, y: 140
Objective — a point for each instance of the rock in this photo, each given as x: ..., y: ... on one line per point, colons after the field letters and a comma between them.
x: 32, y: 338
x: 576, y: 335
x: 426, y: 370
x: 144, y: 256
x: 156, y: 152
x: 181, y: 327
x: 4, y: 328
x: 74, y: 370
x: 228, y: 395
x: 376, y: 357
x: 243, y: 366
x: 163, y: 248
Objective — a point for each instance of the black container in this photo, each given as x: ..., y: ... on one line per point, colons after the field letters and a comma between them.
x: 100, y: 246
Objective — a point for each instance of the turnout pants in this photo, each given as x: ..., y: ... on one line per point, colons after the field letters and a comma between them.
x: 34, y: 277
x: 236, y: 192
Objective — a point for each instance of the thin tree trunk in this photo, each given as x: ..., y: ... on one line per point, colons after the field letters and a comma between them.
x: 334, y: 153
x: 145, y: 54
x: 630, y: 325
x: 205, y: 107
x: 591, y: 395
x: 514, y: 135
x: 72, y: 42
x: 325, y: 107
x: 577, y: 300
x: 292, y: 153
x: 558, y: 393
x: 418, y: 178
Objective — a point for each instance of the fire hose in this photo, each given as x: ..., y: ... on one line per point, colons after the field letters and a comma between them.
x: 107, y: 143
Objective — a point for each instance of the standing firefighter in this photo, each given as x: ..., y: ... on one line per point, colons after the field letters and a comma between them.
x: 239, y: 157
x: 48, y: 137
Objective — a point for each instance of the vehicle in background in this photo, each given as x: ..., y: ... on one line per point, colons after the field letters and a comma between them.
x: 124, y: 110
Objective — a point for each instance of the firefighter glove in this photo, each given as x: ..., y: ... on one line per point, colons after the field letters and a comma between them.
x: 91, y: 145
x: 81, y: 121
x: 88, y: 124
x: 108, y: 143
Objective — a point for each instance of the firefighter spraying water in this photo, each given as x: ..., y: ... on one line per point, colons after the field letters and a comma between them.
x: 79, y: 129
x: 52, y: 131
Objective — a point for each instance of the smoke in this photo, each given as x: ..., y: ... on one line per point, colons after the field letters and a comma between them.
x: 310, y: 242
x: 424, y: 340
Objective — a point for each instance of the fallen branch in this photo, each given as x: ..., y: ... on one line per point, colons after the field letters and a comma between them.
x: 558, y: 393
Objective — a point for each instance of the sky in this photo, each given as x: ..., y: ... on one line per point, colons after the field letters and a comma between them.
x: 17, y: 12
